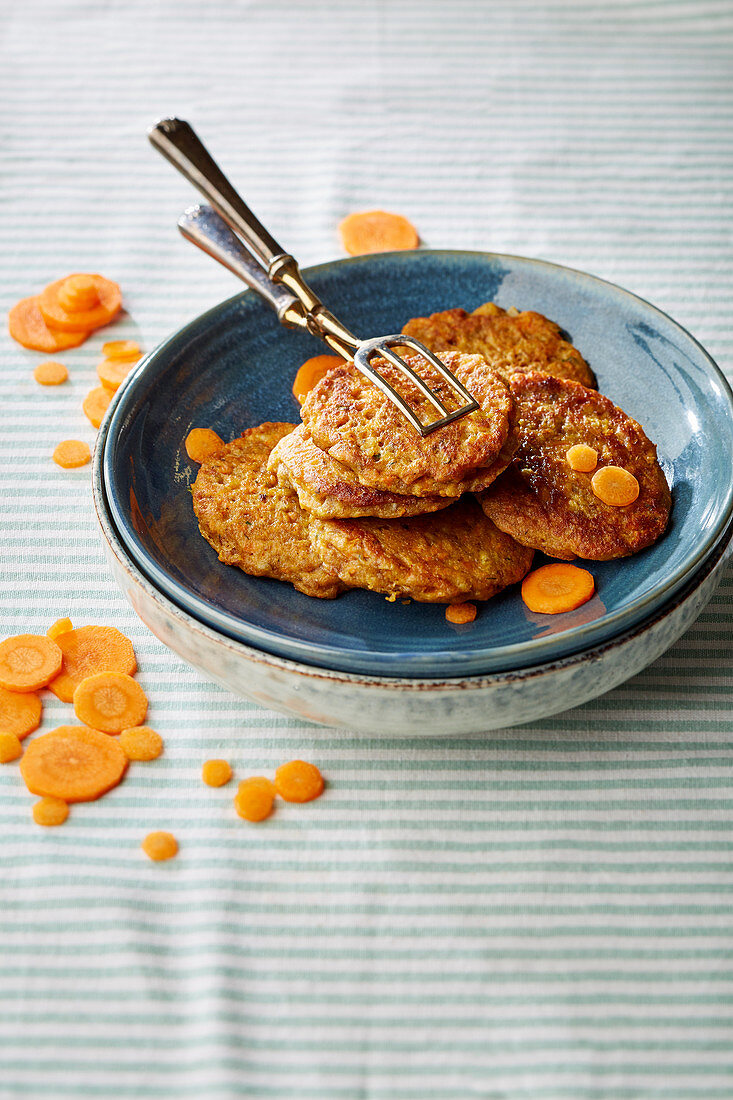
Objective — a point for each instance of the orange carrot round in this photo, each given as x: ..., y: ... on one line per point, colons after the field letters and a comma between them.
x: 27, y: 327
x: 614, y: 485
x: 298, y: 781
x: 113, y: 372
x: 201, y: 443
x: 141, y: 743
x: 159, y: 846
x: 70, y: 454
x: 254, y: 798
x: 311, y: 373
x: 96, y: 403
x: 80, y: 302
x: 10, y: 747
x: 377, y: 231
x: 50, y: 811
x: 90, y: 649
x: 50, y: 373
x: 74, y: 763
x: 215, y: 773
x: 121, y: 349
x: 28, y: 662
x: 20, y: 712
x: 558, y: 587
x: 582, y: 458
x: 110, y: 701
x: 460, y: 613
x: 61, y: 626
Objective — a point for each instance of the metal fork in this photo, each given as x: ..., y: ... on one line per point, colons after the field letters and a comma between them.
x: 275, y: 275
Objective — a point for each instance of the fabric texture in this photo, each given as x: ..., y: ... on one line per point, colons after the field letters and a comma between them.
x: 541, y: 912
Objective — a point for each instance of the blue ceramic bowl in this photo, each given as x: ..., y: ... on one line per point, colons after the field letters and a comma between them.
x: 233, y: 367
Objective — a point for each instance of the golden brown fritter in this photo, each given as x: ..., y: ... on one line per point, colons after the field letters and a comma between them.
x: 456, y: 554
x: 545, y: 504
x: 510, y: 341
x: 253, y: 522
x: 349, y: 418
x: 330, y: 490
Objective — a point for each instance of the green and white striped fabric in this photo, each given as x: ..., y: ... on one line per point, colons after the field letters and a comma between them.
x: 542, y: 913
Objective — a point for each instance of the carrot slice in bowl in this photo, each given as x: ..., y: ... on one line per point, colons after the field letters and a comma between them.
x: 80, y: 302
x: 74, y: 763
x: 558, y: 587
x: 311, y: 372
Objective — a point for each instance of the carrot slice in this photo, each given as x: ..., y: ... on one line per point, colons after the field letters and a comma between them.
x: 50, y: 373
x: 74, y: 763
x: 121, y: 349
x: 61, y: 626
x: 96, y: 403
x: 215, y: 773
x: 159, y: 846
x: 50, y: 811
x: 377, y: 231
x: 110, y: 701
x: 254, y: 798
x: 460, y: 613
x: 141, y: 743
x: 80, y: 301
x: 558, y: 587
x: 201, y: 443
x: 614, y: 485
x: 27, y: 327
x: 311, y: 373
x: 28, y: 662
x: 20, y: 712
x: 582, y: 458
x: 113, y: 372
x: 71, y: 453
x: 87, y: 650
x: 298, y: 781
x: 10, y: 747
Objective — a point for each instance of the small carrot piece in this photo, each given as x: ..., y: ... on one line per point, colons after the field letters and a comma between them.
x: 141, y: 743
x: 582, y: 458
x: 70, y: 454
x: 110, y: 701
x: 87, y: 650
x: 61, y: 626
x: 50, y: 373
x: 557, y: 587
x: 121, y: 349
x: 298, y: 781
x: 50, y: 811
x: 27, y: 327
x: 10, y: 747
x: 28, y: 662
x: 614, y: 485
x: 254, y: 798
x: 80, y: 302
x: 113, y: 372
x: 460, y: 613
x: 201, y: 443
x: 215, y: 773
x: 159, y: 846
x: 377, y: 231
x: 20, y: 712
x: 74, y: 763
x: 311, y: 373
x: 96, y: 403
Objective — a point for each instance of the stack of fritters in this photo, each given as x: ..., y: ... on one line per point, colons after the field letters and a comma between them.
x: 353, y: 497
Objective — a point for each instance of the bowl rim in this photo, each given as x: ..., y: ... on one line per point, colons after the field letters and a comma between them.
x: 262, y: 638
x: 116, y: 546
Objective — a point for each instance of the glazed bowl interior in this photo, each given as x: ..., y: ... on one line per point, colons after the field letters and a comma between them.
x: 233, y: 367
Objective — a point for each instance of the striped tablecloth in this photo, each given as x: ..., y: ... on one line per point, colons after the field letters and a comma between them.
x: 542, y: 912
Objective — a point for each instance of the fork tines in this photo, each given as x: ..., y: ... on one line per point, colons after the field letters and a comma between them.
x: 382, y: 348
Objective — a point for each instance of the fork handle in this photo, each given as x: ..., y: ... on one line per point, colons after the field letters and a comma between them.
x: 179, y: 143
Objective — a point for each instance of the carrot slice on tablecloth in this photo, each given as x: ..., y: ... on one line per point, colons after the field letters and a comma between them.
x: 159, y: 846
x: 10, y: 747
x: 74, y: 763
x: 87, y: 650
x: 28, y: 662
x: 558, y: 587
x: 254, y: 798
x: 121, y: 349
x: 141, y: 743
x: 377, y: 231
x: 27, y: 325
x: 215, y: 773
x: 110, y: 701
x: 113, y: 372
x: 298, y: 781
x: 61, y: 626
x: 80, y: 302
x: 70, y: 454
x: 20, y: 712
x: 50, y: 811
x: 50, y: 373
x: 96, y: 403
